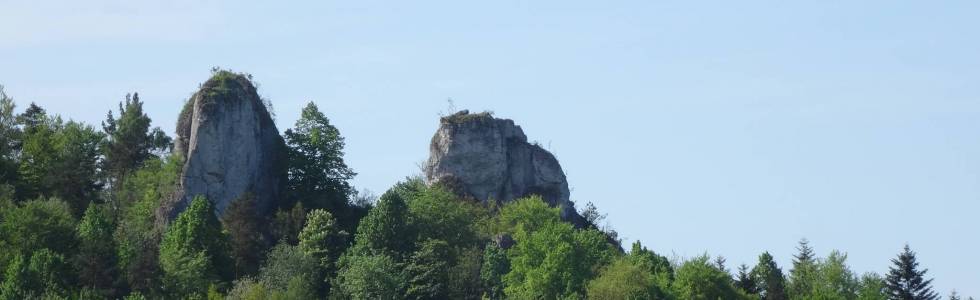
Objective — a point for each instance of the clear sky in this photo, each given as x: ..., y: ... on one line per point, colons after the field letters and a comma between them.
x: 729, y: 127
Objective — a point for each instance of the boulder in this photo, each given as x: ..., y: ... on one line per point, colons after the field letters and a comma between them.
x: 230, y: 146
x: 490, y: 159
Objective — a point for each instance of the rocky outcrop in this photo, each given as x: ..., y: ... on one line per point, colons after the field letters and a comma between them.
x: 490, y: 159
x: 230, y: 146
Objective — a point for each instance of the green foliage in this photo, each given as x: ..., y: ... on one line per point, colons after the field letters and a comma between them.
x: 428, y: 271
x: 525, y: 215
x: 318, y: 176
x: 745, y: 282
x: 385, y: 230
x: 803, y: 276
x: 656, y: 264
x: 436, y: 213
x: 247, y: 242
x: 129, y: 140
x: 872, y: 287
x: 194, y: 251
x: 495, y: 266
x: 10, y: 136
x: 369, y: 276
x: 287, y: 224
x: 698, y: 278
x: 96, y: 258
x: 286, y: 262
x: 321, y: 239
x: 59, y: 159
x: 35, y: 225
x: 554, y: 261
x: 905, y: 281
x: 625, y: 279
x: 137, y: 239
x: 464, y: 275
x: 834, y: 279
x: 769, y: 277
x: 44, y: 274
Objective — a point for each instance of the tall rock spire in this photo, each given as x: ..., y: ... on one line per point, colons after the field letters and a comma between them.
x: 230, y: 146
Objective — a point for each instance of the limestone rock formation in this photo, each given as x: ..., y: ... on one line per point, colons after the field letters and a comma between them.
x: 490, y: 159
x: 230, y: 147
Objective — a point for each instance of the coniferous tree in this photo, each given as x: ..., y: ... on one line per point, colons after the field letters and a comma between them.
x: 32, y: 118
x: 803, y: 275
x: 954, y: 295
x: 905, y: 281
x: 322, y: 241
x: 129, y: 140
x: 769, y: 277
x: 96, y: 258
x: 287, y: 224
x: 745, y: 281
x: 427, y: 271
x: 245, y: 233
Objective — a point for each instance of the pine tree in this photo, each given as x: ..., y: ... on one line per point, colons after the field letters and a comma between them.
x: 905, y: 281
x: 769, y: 277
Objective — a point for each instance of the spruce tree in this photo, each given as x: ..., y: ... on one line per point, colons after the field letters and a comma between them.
x: 905, y: 281
x: 745, y: 281
x: 954, y: 295
x: 248, y: 245
x: 803, y: 275
x: 427, y: 271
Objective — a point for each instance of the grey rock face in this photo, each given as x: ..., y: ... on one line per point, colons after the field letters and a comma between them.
x: 230, y: 147
x: 490, y: 159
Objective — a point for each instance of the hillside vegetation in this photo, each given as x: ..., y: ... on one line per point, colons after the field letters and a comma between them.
x: 78, y: 221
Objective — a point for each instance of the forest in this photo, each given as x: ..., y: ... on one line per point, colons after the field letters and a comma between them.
x: 78, y: 220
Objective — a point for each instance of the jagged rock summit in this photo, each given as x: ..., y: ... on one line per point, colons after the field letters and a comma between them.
x: 230, y: 146
x: 490, y: 159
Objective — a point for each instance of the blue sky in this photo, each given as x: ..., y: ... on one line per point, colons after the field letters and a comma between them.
x: 723, y: 127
